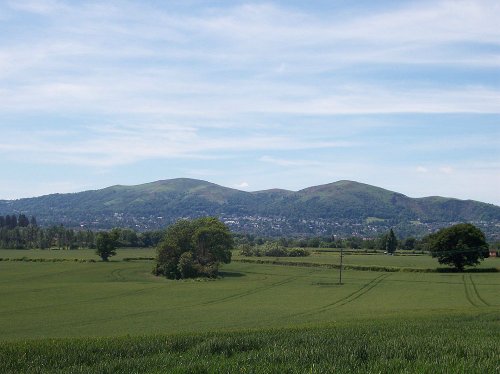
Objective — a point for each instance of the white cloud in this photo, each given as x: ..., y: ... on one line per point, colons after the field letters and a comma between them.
x: 286, y: 162
x: 107, y: 146
x: 37, y: 6
x: 422, y: 169
x: 446, y: 170
x: 103, y: 60
x: 242, y: 185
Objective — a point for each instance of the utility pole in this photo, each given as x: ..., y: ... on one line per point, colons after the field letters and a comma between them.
x: 341, y: 258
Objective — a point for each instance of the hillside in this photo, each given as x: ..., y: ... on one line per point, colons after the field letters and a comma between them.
x: 343, y: 207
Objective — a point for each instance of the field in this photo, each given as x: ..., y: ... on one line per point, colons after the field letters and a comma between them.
x: 387, y: 315
x: 401, y: 261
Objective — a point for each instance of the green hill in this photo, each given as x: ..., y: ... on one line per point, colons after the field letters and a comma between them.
x: 313, y: 210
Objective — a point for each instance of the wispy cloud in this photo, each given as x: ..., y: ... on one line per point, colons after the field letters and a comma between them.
x: 286, y: 162
x: 124, y: 57
x: 270, y: 85
x: 446, y: 170
x: 44, y: 7
x: 107, y: 146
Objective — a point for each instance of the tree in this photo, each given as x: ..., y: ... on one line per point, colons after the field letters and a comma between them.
x: 13, y: 221
x: 194, y: 248
x: 23, y: 221
x: 313, y: 242
x: 8, y: 222
x: 459, y: 245
x: 106, y: 244
x: 381, y: 241
x: 391, y: 243
x: 409, y: 244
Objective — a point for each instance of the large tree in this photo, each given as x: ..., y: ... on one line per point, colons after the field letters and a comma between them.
x: 194, y: 248
x: 459, y: 245
x: 106, y: 243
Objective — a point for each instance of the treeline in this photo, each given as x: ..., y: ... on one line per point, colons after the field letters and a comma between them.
x: 353, y: 242
x: 19, y: 232
x: 13, y: 221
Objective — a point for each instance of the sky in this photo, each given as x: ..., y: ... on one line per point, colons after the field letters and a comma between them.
x: 404, y: 95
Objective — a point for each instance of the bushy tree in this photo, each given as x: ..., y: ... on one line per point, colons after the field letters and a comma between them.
x: 247, y: 250
x: 106, y: 243
x: 381, y: 241
x: 459, y: 245
x: 409, y: 244
x: 187, y: 266
x: 272, y: 249
x: 194, y: 248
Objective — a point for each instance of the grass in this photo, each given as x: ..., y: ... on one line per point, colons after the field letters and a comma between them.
x: 117, y: 317
x: 318, y: 256
x: 396, y: 346
x: 79, y: 254
x: 367, y: 260
x: 72, y: 299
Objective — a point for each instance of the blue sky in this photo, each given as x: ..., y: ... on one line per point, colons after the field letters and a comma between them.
x: 251, y: 95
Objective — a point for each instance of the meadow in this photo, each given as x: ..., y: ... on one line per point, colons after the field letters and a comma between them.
x: 401, y: 261
x: 116, y: 316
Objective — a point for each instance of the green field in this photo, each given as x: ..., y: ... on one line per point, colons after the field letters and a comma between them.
x: 465, y: 344
x: 371, y: 259
x: 401, y: 260
x: 84, y: 254
x: 71, y: 299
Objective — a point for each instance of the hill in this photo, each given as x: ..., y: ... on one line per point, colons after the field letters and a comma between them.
x: 343, y: 208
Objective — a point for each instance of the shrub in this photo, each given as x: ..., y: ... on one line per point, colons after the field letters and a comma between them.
x: 272, y: 249
x: 298, y: 252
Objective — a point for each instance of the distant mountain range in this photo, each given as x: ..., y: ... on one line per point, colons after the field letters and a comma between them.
x: 341, y: 208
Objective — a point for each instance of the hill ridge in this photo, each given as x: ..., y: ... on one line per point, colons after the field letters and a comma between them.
x: 342, y: 206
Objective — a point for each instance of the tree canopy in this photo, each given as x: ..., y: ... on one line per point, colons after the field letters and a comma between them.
x: 194, y: 248
x: 106, y: 243
x: 459, y: 245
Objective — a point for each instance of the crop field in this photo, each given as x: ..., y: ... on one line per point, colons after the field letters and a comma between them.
x: 79, y: 254
x: 466, y: 344
x: 400, y: 260
x: 96, y: 304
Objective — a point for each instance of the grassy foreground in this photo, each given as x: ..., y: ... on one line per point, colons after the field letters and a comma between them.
x: 116, y: 317
x: 458, y: 344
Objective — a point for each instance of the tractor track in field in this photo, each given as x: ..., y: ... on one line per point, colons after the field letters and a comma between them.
x: 142, y: 290
x: 357, y: 294
x: 477, y: 292
x: 467, y: 292
x: 218, y: 300
x: 363, y: 290
x: 252, y: 291
x: 237, y: 295
x: 471, y: 292
x: 249, y: 292
x: 117, y: 274
x: 180, y: 307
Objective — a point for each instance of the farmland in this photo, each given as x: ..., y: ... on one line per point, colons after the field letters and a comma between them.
x: 85, y: 301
